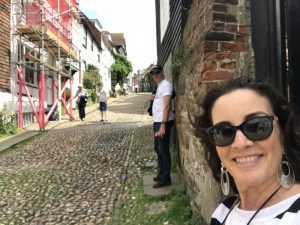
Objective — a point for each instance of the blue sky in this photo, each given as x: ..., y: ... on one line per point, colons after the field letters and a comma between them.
x: 134, y: 18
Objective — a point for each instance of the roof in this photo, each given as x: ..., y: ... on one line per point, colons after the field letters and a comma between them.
x: 96, y: 34
x: 118, y: 41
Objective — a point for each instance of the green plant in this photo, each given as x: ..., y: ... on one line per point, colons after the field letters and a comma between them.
x: 149, y: 83
x: 177, y: 62
x: 68, y: 93
x: 91, y: 80
x: 93, y: 97
x: 8, y: 123
x: 120, y: 70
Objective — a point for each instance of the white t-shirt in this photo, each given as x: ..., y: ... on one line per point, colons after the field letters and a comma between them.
x: 118, y: 87
x: 164, y: 88
x: 286, y: 212
x: 102, y: 95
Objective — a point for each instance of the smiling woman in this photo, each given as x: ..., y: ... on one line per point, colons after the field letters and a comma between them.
x: 250, y: 135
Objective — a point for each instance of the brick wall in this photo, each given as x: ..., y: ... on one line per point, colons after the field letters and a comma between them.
x: 5, y: 45
x: 217, y: 47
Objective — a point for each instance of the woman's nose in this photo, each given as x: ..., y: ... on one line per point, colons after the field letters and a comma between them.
x: 240, y: 140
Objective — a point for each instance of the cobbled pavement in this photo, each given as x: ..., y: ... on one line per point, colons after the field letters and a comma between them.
x: 73, y: 173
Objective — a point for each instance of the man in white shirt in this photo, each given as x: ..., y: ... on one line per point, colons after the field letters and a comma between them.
x: 163, y: 122
x: 117, y: 89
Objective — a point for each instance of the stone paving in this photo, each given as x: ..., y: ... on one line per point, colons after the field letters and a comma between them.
x: 74, y: 172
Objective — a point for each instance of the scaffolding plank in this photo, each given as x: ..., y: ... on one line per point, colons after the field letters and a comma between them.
x: 37, y: 60
x: 34, y: 32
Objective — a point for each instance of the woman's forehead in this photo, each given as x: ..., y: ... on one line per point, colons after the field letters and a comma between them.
x: 238, y: 104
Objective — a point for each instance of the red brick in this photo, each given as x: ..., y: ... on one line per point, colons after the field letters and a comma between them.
x: 208, y: 66
x: 224, y: 17
x: 218, y: 75
x: 243, y: 30
x: 228, y: 65
x: 210, y: 46
x: 231, y: 28
x: 234, y: 47
x: 219, y: 8
x: 210, y: 56
x: 218, y: 26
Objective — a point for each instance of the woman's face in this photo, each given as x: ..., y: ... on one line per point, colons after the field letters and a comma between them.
x: 251, y: 163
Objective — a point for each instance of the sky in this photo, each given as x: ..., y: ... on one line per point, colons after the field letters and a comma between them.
x: 134, y: 18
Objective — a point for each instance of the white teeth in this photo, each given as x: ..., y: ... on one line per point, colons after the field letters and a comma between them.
x: 246, y: 159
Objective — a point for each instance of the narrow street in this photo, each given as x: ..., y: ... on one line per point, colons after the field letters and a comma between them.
x: 74, y: 172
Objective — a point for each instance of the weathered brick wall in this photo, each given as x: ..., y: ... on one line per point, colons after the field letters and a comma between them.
x: 5, y: 45
x: 217, y: 46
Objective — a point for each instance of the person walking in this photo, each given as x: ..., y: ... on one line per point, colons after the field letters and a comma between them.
x: 103, y: 103
x: 163, y: 122
x: 125, y: 88
x: 117, y: 89
x: 136, y: 87
x: 250, y: 135
x: 82, y: 97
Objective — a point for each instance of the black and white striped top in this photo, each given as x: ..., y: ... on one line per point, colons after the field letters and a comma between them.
x: 286, y: 212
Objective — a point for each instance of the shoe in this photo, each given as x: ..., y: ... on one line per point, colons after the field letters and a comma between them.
x: 157, y: 178
x: 162, y: 184
x: 83, y: 119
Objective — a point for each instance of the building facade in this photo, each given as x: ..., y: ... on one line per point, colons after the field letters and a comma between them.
x: 5, y: 62
x: 45, y: 47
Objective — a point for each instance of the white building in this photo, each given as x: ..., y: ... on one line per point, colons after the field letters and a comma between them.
x: 58, y: 40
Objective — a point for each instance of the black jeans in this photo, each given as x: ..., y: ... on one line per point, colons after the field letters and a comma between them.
x: 81, y: 109
x: 161, y: 147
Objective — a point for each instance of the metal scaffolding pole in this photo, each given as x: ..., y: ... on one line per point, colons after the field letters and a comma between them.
x: 59, y: 63
x: 42, y: 75
x: 46, y: 39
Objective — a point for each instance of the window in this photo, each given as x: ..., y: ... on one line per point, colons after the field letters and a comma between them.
x: 84, y: 38
x: 84, y: 64
x: 30, y: 67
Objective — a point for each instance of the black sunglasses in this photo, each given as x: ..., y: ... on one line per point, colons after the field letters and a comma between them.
x: 255, y: 129
x: 152, y: 73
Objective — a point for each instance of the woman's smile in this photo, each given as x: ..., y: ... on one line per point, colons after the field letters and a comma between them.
x: 247, y: 159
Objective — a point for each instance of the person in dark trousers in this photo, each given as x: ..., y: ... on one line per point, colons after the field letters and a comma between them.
x: 163, y: 122
x: 82, y: 97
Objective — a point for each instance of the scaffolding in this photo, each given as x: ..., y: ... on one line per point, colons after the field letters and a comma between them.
x: 45, y: 27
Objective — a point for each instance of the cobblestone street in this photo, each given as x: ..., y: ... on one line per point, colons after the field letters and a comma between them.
x: 73, y: 173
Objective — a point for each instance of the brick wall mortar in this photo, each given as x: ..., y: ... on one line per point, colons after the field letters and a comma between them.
x: 217, y: 45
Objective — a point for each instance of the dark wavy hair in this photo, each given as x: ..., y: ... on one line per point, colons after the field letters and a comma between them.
x: 289, y: 122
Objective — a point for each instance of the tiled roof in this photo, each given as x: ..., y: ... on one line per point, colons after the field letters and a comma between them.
x: 119, y: 42
x: 96, y: 34
x: 118, y: 39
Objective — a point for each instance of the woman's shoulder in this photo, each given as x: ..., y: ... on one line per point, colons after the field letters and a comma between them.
x: 223, y: 209
x: 290, y: 214
x: 294, y: 205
